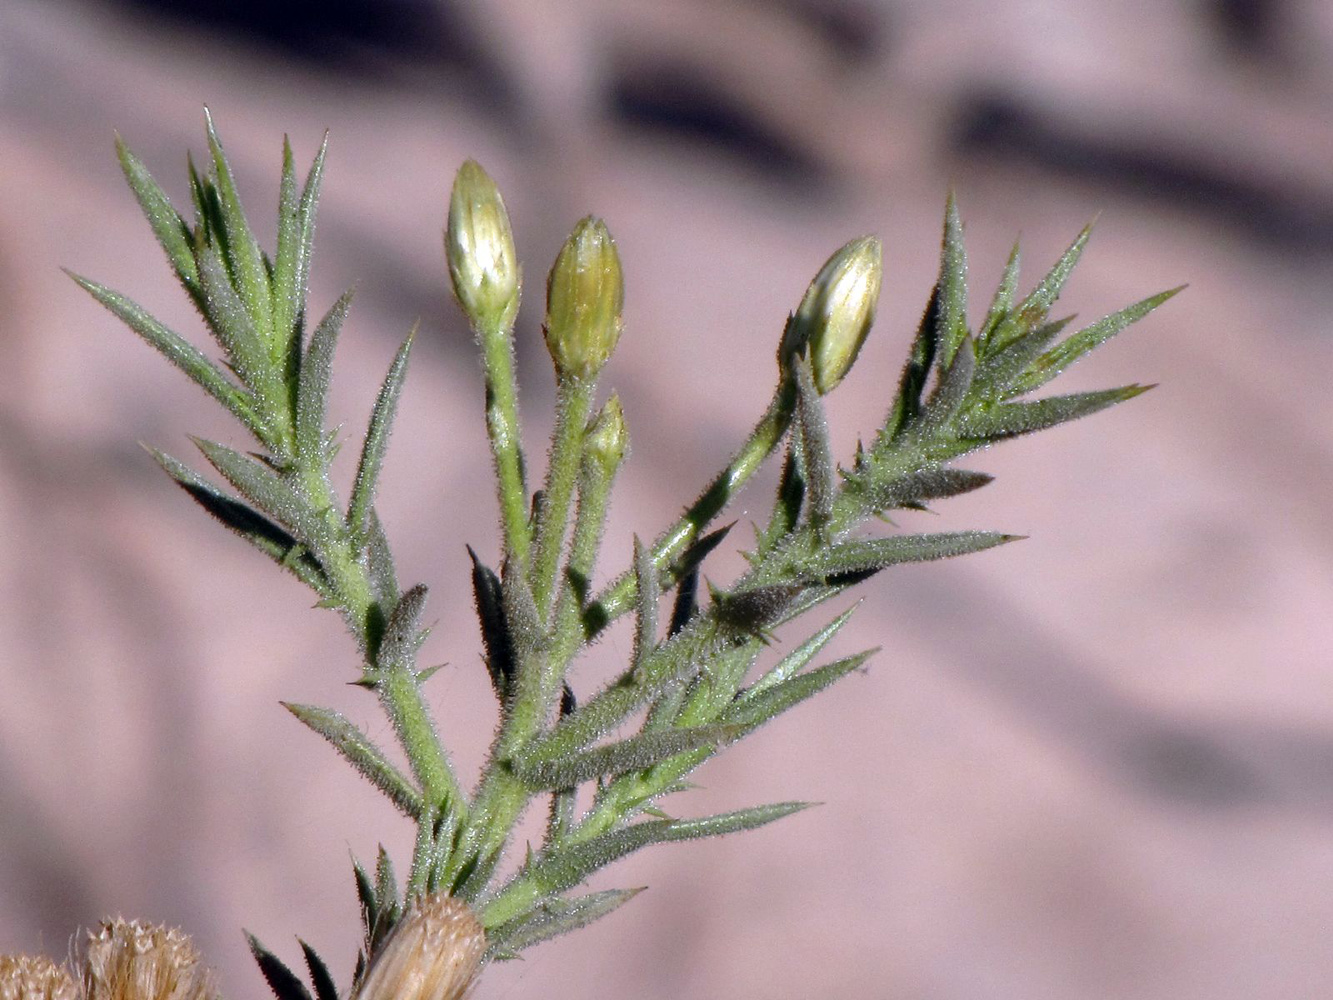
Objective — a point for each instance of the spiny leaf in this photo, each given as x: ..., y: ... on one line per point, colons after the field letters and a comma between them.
x: 1007, y: 420
x: 325, y: 988
x: 951, y: 392
x: 495, y: 637
x: 795, y: 661
x: 245, y: 258
x: 377, y: 440
x: 645, y: 582
x: 362, y: 754
x: 1001, y: 369
x: 553, y: 918
x: 756, y: 708
x: 915, y: 489
x: 281, y: 980
x: 171, y: 230
x: 1004, y: 296
x: 403, y: 636
x: 268, y: 491
x: 256, y: 529
x: 951, y: 325
x: 288, y: 295
x: 1033, y: 309
x: 637, y: 753
x: 180, y: 352
x: 871, y: 555
x: 816, y: 451
x: 386, y: 883
x: 309, y: 204
x: 568, y: 866
x: 313, y: 382
x: 1064, y: 354
x: 686, y: 604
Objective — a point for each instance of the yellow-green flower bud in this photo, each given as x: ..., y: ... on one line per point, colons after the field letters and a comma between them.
x: 607, y: 436
x: 585, y: 294
x: 479, y: 246
x: 34, y: 977
x: 433, y: 954
x: 127, y: 960
x: 835, y: 316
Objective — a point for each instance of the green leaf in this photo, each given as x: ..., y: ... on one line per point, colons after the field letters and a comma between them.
x: 272, y: 494
x: 313, y: 382
x: 951, y: 322
x: 907, y: 405
x: 553, y: 918
x: 362, y: 754
x: 951, y: 392
x: 568, y: 866
x: 646, y: 595
x: 867, y: 556
x: 789, y: 502
x: 170, y: 228
x: 244, y: 257
x: 756, y: 708
x: 309, y: 205
x: 325, y: 988
x: 1064, y: 354
x: 403, y: 635
x: 1033, y: 309
x: 386, y: 884
x: 637, y: 753
x: 816, y: 452
x: 281, y: 980
x: 1000, y: 370
x: 379, y: 564
x: 235, y: 328
x: 798, y: 658
x: 1007, y: 420
x: 181, y: 353
x: 913, y: 490
x: 377, y: 440
x: 288, y: 294
x: 1004, y: 296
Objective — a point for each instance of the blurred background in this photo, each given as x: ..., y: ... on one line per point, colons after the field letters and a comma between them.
x: 1098, y: 763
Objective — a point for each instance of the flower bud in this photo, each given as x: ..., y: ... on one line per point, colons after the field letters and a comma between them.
x: 433, y: 954
x: 607, y: 437
x: 585, y: 294
x: 835, y: 316
x: 34, y: 977
x: 127, y: 960
x: 479, y: 246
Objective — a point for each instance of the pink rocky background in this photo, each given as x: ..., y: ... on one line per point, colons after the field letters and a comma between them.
x: 1096, y: 764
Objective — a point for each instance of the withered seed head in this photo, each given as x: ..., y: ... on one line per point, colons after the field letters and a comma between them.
x: 34, y: 977
x: 433, y: 954
x: 127, y: 960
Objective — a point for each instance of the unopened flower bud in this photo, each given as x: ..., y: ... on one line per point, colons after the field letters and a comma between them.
x: 607, y: 437
x: 433, y: 954
x: 479, y: 246
x: 835, y: 316
x: 127, y: 960
x: 34, y: 977
x: 585, y: 294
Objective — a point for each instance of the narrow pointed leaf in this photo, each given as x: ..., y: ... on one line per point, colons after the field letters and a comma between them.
x: 553, y: 918
x: 259, y: 531
x: 998, y: 372
x: 697, y: 552
x: 288, y: 295
x: 645, y: 582
x: 179, y: 351
x: 915, y: 489
x: 495, y: 638
x: 379, y: 563
x: 362, y: 754
x: 377, y: 441
x: 907, y: 405
x: 268, y: 491
x: 171, y: 230
x: 386, y: 883
x: 796, y: 661
x: 789, y: 502
x: 816, y: 451
x: 756, y: 708
x: 1003, y: 301
x: 873, y: 554
x: 235, y: 328
x: 369, y: 901
x: 313, y: 383
x: 952, y: 319
x: 309, y: 204
x: 686, y: 604
x: 403, y: 635
x: 952, y: 390
x: 1007, y: 420
x: 1064, y: 354
x: 637, y: 753
x: 1033, y: 309
x: 245, y: 258
x: 320, y: 977
x: 281, y: 980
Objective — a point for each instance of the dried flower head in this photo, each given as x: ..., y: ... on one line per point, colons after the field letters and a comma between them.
x: 128, y: 960
x: 434, y: 953
x: 34, y: 977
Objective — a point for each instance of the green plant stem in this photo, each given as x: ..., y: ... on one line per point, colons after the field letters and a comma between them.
x: 619, y: 595
x: 502, y: 427
x: 573, y: 401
